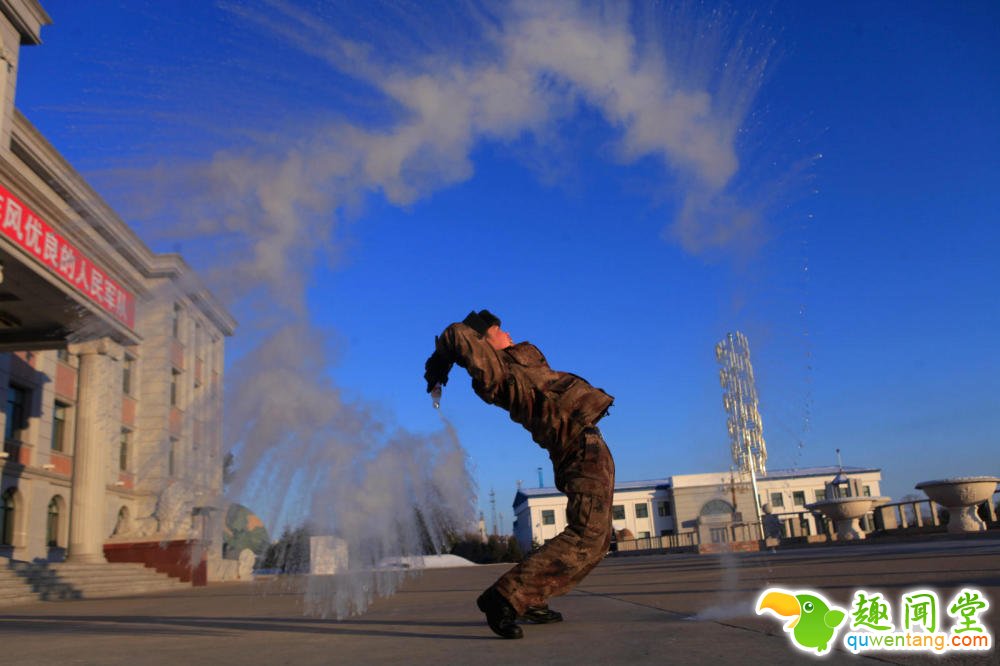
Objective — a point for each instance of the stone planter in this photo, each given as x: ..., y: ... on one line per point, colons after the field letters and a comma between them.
x: 846, y: 514
x: 961, y: 496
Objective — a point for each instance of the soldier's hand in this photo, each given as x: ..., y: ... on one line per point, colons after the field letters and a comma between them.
x: 436, y: 371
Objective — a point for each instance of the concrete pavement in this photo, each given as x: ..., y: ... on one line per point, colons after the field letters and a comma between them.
x: 649, y: 609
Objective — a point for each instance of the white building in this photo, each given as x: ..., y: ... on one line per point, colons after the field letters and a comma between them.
x: 693, y: 508
x: 641, y: 507
x: 786, y: 492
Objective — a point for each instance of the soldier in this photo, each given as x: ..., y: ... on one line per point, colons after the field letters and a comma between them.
x: 561, y: 412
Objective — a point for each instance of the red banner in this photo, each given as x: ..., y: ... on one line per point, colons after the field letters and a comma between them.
x: 32, y: 234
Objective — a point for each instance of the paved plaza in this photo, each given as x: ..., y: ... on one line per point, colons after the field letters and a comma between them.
x: 649, y: 609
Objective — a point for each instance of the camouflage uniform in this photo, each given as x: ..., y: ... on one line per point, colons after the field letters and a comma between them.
x: 561, y: 411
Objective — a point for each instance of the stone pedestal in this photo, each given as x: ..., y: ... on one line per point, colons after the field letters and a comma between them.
x: 99, y: 385
x: 961, y: 496
x: 846, y: 513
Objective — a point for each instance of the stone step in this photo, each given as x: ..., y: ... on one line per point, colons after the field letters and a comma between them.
x: 14, y: 590
x: 130, y: 590
x: 141, y: 575
x: 64, y: 580
x: 19, y: 599
x: 122, y: 583
x: 119, y: 590
x: 10, y: 588
x: 73, y: 567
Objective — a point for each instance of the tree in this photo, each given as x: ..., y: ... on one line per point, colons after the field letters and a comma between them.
x: 496, y: 549
x: 243, y: 529
x: 290, y: 553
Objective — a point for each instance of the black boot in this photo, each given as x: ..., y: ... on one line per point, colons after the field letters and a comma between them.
x: 500, y: 614
x: 540, y: 615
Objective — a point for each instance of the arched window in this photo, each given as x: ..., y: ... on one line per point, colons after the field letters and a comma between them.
x: 8, y: 510
x: 53, y: 525
x: 716, y: 507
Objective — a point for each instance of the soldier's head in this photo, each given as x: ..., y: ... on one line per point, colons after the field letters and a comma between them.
x: 498, y: 338
x: 487, y: 325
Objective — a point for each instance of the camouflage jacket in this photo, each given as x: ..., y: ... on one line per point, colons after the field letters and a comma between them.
x: 553, y: 406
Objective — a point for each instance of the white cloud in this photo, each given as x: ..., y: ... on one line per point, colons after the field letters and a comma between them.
x: 528, y: 72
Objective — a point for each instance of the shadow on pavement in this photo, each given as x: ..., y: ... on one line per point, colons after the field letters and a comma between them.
x: 215, y: 626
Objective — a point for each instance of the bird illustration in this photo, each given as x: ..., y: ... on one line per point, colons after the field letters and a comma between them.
x: 814, y: 621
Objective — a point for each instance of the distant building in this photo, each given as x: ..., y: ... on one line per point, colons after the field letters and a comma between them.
x: 708, y: 508
x: 642, y: 507
x: 786, y: 492
x: 111, y: 357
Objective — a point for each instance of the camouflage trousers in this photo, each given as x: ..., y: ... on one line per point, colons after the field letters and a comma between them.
x: 586, y: 473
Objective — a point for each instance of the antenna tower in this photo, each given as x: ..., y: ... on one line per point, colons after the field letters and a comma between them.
x: 493, y: 510
x: 739, y: 397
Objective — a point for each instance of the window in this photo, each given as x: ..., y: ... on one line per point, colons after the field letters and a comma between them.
x: 663, y: 509
x: 123, y: 449
x: 820, y: 494
x: 866, y: 491
x: 59, y: 427
x: 777, y: 499
x: 52, y: 524
x: 642, y: 510
x: 175, y: 322
x: 719, y: 534
x: 716, y: 507
x: 799, y: 498
x: 548, y: 517
x: 128, y: 366
x: 17, y: 409
x: 63, y: 355
x: 175, y: 379
x: 8, y: 507
x: 618, y: 512
x: 172, y: 458
x: 643, y: 535
x: 665, y: 532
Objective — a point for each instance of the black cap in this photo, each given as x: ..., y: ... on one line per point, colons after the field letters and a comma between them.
x: 481, y: 321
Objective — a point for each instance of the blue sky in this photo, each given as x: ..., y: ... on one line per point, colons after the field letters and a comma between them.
x: 821, y: 177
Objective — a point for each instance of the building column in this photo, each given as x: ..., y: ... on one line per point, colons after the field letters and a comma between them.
x: 96, y: 387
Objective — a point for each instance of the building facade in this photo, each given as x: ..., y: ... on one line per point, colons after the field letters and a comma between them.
x: 785, y: 493
x: 642, y: 507
x: 111, y: 357
x: 694, y: 509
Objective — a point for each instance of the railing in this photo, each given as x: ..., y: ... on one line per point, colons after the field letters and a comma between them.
x: 908, y: 515
x: 912, y: 516
x: 745, y: 532
x: 808, y: 526
x: 736, y: 536
x: 682, y: 541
